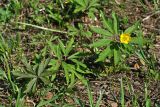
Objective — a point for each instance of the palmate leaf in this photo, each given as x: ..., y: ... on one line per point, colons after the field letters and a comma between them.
x: 100, y: 43
x: 81, y: 2
x: 28, y: 66
x: 79, y: 63
x: 75, y: 55
x: 100, y: 31
x: 23, y: 75
x: 115, y: 23
x: 45, y: 80
x: 31, y: 85
x: 132, y: 28
x: 72, y: 80
x: 104, y: 54
x: 66, y: 70
x: 94, y: 3
x: 42, y: 66
x: 62, y: 46
x: 55, y: 49
x: 139, y: 39
x: 81, y: 5
x: 106, y: 23
x: 69, y: 46
x: 84, y: 81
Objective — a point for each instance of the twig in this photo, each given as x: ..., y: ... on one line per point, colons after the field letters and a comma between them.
x: 43, y: 28
x: 146, y: 18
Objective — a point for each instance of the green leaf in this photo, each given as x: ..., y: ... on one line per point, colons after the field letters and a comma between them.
x: 2, y: 74
x: 42, y: 66
x: 94, y: 3
x: 122, y: 94
x: 132, y: 28
x: 84, y: 81
x: 58, y: 51
x: 45, y: 80
x: 66, y: 70
x: 139, y: 39
x: 106, y: 23
x: 90, y: 96
x: 116, y: 56
x: 62, y: 46
x: 30, y: 85
x: 47, y: 73
x: 75, y: 55
x: 81, y: 2
x: 55, y: 65
x: 104, y: 54
x: 100, y: 31
x: 101, y: 42
x: 28, y: 66
x: 23, y: 75
x: 81, y: 71
x: 72, y: 80
x: 79, y: 63
x: 115, y: 23
x: 69, y: 46
x: 53, y: 47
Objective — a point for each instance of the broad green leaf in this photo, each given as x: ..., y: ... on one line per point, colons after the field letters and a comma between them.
x: 116, y: 56
x: 101, y: 42
x: 106, y: 24
x: 101, y: 31
x: 104, y: 54
x: 115, y: 23
x: 132, y: 28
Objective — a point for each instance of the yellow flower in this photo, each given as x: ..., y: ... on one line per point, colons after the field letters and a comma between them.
x: 125, y: 38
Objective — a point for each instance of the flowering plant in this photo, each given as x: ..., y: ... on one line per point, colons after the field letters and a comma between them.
x: 115, y: 42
